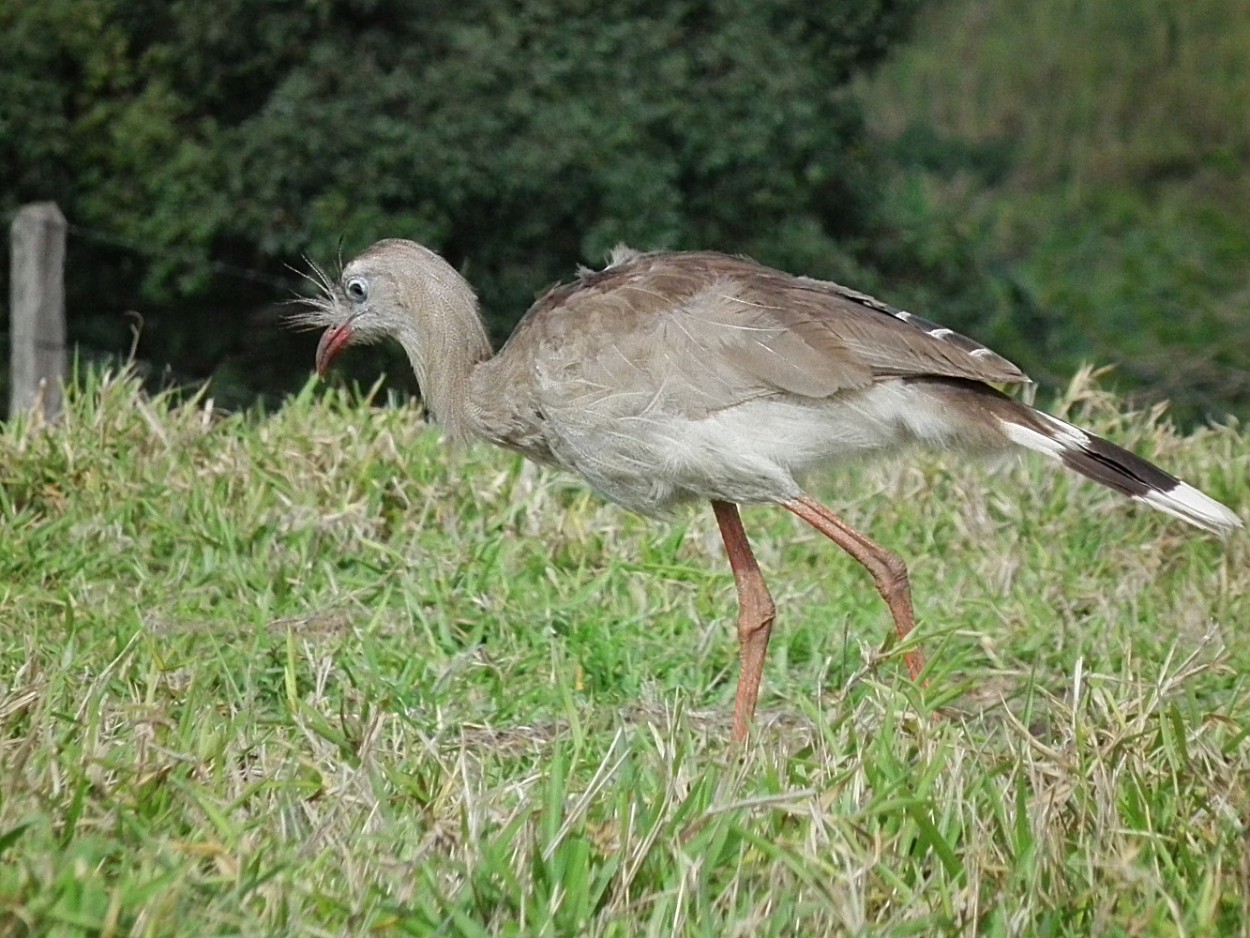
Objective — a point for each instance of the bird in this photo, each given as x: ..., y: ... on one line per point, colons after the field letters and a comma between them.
x: 674, y: 377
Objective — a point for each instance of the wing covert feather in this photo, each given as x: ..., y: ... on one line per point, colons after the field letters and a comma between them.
x: 716, y: 330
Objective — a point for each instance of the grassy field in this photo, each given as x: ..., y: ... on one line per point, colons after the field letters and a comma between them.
x: 309, y: 675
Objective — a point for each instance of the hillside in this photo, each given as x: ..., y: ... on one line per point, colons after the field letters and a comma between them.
x: 1092, y: 161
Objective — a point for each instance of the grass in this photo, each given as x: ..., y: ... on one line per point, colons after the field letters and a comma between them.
x: 307, y: 674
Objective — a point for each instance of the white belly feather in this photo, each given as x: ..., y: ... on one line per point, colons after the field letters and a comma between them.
x: 644, y: 457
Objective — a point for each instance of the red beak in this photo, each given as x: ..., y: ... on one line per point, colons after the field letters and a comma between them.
x: 333, y: 341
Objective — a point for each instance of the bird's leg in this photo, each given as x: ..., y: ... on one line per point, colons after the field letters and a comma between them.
x: 755, y: 615
x: 888, y: 571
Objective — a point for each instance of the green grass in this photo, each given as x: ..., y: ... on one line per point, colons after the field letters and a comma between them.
x: 310, y: 675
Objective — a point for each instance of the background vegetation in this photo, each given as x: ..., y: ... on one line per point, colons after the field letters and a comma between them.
x: 1067, y: 181
x: 516, y: 138
x: 1091, y: 164
x: 296, y: 671
x: 305, y: 675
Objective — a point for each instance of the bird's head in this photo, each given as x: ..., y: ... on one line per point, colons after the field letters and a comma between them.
x: 391, y: 287
x: 356, y: 309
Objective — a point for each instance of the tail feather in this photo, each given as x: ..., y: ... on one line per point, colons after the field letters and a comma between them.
x: 1116, y: 468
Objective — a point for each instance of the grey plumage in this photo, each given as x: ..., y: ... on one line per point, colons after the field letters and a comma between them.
x: 670, y: 377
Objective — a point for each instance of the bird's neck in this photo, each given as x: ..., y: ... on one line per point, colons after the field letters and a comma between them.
x: 444, y: 350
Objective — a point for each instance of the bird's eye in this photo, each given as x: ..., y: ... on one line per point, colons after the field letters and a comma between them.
x: 357, y: 290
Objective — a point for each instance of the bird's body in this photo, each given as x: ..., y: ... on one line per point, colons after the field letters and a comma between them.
x: 673, y: 377
x: 667, y: 378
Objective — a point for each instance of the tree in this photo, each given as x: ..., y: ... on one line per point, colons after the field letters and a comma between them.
x: 516, y: 138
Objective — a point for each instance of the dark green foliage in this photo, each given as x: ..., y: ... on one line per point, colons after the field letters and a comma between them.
x: 1064, y: 181
x: 1073, y: 179
x: 519, y: 139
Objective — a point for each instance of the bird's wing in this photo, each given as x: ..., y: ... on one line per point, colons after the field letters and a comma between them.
x: 725, y: 329
x: 855, y: 333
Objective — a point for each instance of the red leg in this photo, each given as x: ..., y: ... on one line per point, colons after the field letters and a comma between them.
x: 888, y: 571
x: 755, y: 615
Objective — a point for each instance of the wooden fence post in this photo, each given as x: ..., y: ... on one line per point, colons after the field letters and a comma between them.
x: 37, y: 310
